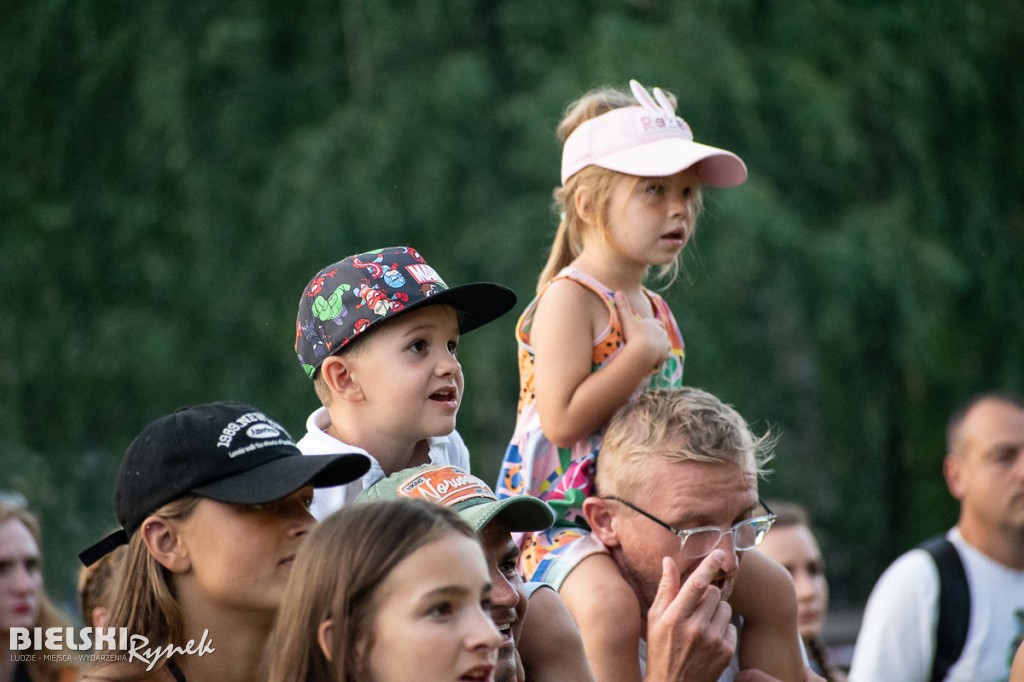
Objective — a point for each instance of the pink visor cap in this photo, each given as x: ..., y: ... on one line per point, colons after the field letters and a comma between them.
x: 648, y: 140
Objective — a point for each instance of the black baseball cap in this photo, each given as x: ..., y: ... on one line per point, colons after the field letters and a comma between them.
x: 224, y: 451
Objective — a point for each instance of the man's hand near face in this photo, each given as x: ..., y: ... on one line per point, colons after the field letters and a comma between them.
x: 689, y: 634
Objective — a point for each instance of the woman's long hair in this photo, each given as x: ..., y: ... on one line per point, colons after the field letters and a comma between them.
x: 144, y: 602
x: 336, y: 575
x: 43, y: 667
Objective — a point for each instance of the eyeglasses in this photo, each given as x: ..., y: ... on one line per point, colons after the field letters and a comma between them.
x: 699, y: 542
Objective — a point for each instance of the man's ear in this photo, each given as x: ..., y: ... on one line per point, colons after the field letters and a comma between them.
x: 164, y: 544
x: 337, y: 374
x: 325, y: 638
x: 602, y: 520
x: 952, y: 469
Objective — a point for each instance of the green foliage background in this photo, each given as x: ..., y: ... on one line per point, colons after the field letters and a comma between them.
x: 173, y: 173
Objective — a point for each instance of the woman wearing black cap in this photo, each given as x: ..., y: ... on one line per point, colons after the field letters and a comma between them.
x: 213, y: 502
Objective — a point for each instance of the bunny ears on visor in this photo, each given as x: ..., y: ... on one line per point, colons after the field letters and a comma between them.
x: 648, y: 140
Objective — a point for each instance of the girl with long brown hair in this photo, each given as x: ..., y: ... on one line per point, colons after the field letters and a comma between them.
x: 387, y: 591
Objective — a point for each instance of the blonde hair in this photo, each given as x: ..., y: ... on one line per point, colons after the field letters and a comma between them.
x: 336, y: 575
x: 598, y: 183
x: 43, y: 665
x: 98, y: 582
x: 676, y: 425
x: 144, y: 602
x: 323, y: 391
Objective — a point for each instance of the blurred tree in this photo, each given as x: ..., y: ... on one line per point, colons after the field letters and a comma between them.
x: 173, y: 175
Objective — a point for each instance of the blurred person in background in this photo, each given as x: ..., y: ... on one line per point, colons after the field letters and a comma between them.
x: 793, y: 545
x: 900, y: 632
x: 97, y: 585
x: 23, y: 602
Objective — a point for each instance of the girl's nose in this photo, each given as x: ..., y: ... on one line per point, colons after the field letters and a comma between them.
x: 482, y: 632
x: 678, y: 205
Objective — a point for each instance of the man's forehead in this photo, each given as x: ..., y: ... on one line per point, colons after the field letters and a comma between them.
x: 704, y: 492
x: 660, y: 471
x: 993, y: 422
x: 496, y: 535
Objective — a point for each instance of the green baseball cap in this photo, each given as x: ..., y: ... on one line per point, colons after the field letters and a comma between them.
x: 470, y: 497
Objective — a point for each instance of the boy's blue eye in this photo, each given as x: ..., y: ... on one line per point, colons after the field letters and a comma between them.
x: 655, y: 189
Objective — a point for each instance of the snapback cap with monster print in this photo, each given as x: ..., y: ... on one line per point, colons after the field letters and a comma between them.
x: 345, y: 299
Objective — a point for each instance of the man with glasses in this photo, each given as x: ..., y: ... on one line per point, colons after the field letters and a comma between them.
x: 677, y: 508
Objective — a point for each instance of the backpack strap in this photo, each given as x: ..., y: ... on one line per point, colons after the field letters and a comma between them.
x: 954, y: 605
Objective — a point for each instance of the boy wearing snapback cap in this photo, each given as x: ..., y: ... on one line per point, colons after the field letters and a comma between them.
x: 377, y: 333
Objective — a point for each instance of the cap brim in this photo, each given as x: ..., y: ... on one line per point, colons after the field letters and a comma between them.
x: 283, y: 476
x: 518, y: 514
x: 105, y: 546
x: 477, y: 303
x: 664, y: 157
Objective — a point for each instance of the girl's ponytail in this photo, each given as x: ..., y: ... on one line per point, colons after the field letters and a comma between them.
x: 568, y: 242
x: 563, y: 252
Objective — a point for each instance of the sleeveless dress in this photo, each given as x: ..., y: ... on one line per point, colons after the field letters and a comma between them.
x: 563, y: 477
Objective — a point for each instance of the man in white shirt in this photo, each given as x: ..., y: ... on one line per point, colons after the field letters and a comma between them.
x: 984, y: 469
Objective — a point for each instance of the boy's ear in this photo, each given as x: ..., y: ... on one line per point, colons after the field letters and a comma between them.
x: 602, y: 520
x: 164, y: 544
x: 337, y: 374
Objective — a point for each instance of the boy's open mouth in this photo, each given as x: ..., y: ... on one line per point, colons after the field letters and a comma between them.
x: 444, y: 394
